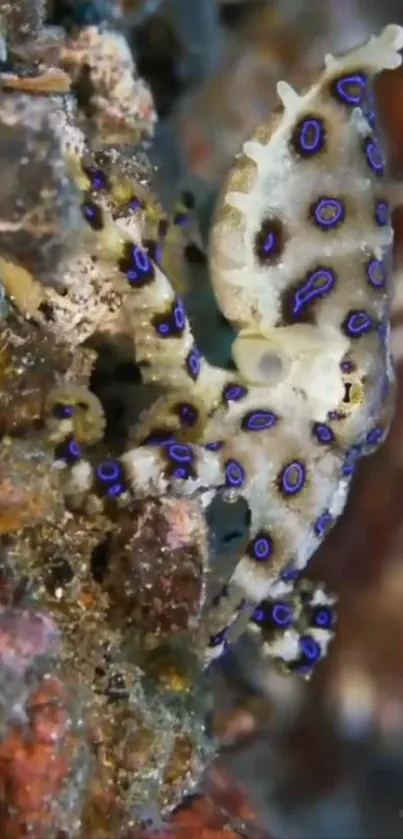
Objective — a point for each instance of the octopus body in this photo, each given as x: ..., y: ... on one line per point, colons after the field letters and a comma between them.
x: 300, y: 258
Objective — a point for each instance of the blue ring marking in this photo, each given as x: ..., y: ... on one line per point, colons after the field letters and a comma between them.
x: 283, y: 614
x: 375, y: 158
x: 315, y: 127
x: 235, y: 474
x: 322, y: 617
x: 63, y: 411
x: 193, y: 363
x: 325, y: 204
x: 357, y: 323
x: 258, y: 420
x: 179, y: 453
x: 172, y: 323
x: 109, y: 471
x: 69, y: 451
x: 233, y: 392
x: 261, y: 547
x: 382, y: 213
x: 323, y: 433
x: 377, y: 273
x: 293, y: 478
x: 375, y: 436
x: 357, y: 81
x: 320, y: 283
x: 188, y: 414
x: 310, y: 649
x: 323, y: 524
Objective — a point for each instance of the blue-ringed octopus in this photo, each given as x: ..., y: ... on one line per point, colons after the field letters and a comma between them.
x: 300, y: 263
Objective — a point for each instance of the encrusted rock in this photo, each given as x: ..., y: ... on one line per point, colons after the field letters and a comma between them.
x: 156, y: 573
x: 39, y: 220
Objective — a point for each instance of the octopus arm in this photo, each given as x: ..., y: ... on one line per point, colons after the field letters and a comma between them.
x: 163, y: 342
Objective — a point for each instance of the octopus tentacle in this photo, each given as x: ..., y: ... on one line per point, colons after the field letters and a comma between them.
x: 163, y: 342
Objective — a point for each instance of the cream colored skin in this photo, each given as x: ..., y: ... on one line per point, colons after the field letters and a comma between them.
x: 290, y: 370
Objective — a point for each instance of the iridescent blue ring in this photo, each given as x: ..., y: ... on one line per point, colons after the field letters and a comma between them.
x: 374, y: 156
x: 323, y: 433
x: 262, y: 547
x: 325, y: 204
x: 382, y: 213
x: 109, y: 471
x: 357, y: 324
x: 293, y: 478
x: 319, y: 283
x: 234, y: 473
x: 376, y: 273
x: 323, y: 524
x: 344, y: 85
x: 310, y: 648
x: 258, y: 420
x: 315, y: 127
x: 193, y: 363
x: 179, y: 452
x: 234, y: 392
x: 282, y: 614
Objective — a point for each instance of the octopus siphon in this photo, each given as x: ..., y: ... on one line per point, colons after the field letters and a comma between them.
x: 300, y: 257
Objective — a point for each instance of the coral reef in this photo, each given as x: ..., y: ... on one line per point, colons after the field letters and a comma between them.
x: 112, y: 604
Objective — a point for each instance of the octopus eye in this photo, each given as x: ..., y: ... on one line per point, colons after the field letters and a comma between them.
x: 323, y: 524
x: 269, y: 241
x: 93, y: 214
x: 62, y: 412
x: 187, y: 414
x: 357, y: 323
x: 214, y: 447
x: 323, y: 433
x: 273, y: 615
x: 347, y: 366
x: 293, y: 478
x: 258, y: 421
x: 328, y: 213
x: 308, y: 137
x: 350, y: 90
x: 375, y: 436
x: 111, y: 477
x: 235, y: 474
x: 322, y: 617
x: 382, y: 213
x: 69, y: 452
x: 261, y: 547
x: 375, y: 158
x: 376, y: 273
x: 193, y: 363
x: 172, y: 323
x: 234, y: 392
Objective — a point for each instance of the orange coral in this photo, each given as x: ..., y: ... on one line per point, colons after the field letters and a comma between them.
x: 35, y: 762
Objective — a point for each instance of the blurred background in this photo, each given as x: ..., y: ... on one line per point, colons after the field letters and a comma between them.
x: 324, y: 758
